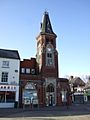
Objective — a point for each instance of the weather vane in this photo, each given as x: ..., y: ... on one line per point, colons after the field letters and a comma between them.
x: 46, y: 11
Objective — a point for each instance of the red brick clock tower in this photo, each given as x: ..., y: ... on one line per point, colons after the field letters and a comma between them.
x: 47, y: 55
x: 39, y: 81
x: 47, y: 58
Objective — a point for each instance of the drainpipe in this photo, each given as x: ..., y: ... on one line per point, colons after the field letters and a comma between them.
x: 5, y: 96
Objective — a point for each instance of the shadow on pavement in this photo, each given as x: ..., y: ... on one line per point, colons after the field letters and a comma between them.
x: 75, y: 109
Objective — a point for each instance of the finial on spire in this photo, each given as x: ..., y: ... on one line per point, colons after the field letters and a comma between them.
x: 45, y: 11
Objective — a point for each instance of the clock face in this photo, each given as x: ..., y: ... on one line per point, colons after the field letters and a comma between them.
x: 49, y: 49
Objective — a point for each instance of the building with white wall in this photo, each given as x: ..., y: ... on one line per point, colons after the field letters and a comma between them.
x: 9, y: 78
x: 77, y: 89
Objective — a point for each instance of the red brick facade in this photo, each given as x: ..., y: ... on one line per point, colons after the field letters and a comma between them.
x: 39, y: 82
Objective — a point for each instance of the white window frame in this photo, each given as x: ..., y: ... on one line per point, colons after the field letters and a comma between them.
x: 5, y: 64
x: 27, y: 70
x: 23, y: 70
x: 49, y: 55
x: 4, y: 78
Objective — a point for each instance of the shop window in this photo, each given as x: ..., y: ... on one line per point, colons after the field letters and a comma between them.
x: 30, y: 94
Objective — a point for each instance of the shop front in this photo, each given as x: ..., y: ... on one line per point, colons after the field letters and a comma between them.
x: 30, y: 97
x: 8, y: 96
x: 78, y: 97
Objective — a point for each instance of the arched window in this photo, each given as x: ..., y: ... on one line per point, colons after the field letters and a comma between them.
x: 30, y: 86
x: 49, y: 55
x: 30, y: 91
x: 50, y: 88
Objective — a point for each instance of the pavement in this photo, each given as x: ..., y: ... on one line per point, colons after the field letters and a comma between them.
x: 57, y: 111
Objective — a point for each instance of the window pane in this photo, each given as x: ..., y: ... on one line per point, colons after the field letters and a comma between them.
x: 33, y: 71
x: 49, y: 62
x: 4, y: 77
x: 27, y: 70
x: 22, y: 70
x: 64, y: 96
x: 5, y: 64
x: 49, y: 55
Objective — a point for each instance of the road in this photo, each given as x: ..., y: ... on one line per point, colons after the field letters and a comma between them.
x: 74, y: 112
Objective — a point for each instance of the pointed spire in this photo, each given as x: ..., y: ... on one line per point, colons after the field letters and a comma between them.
x: 46, y: 24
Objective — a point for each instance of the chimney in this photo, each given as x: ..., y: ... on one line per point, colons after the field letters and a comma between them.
x: 71, y: 77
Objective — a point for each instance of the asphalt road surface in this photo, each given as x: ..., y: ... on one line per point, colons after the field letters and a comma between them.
x: 74, y: 112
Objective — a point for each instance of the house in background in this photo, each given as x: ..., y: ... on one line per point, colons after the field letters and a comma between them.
x: 39, y: 80
x: 77, y: 89
x: 9, y: 78
x: 87, y: 91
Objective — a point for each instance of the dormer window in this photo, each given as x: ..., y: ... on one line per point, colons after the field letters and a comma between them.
x: 33, y: 71
x: 23, y: 70
x: 27, y: 70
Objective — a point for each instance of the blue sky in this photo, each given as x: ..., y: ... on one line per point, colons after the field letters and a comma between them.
x: 70, y: 19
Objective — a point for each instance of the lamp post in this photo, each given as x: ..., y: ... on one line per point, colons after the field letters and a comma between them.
x: 67, y: 97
